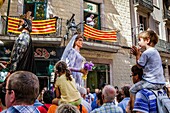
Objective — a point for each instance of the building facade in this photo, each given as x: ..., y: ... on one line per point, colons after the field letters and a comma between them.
x: 112, y: 59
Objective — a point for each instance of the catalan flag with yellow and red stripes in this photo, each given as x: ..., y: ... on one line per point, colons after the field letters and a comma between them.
x: 90, y: 32
x: 38, y: 26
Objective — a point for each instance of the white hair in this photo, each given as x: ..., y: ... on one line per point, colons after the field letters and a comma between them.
x: 109, y: 93
x: 82, y: 90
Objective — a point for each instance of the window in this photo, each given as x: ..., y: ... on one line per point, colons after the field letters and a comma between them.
x: 99, y: 76
x: 37, y: 7
x: 92, y: 8
x: 142, y: 21
x: 166, y: 4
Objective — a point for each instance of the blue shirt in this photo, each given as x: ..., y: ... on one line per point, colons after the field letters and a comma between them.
x: 37, y: 103
x: 94, y: 104
x: 151, y: 63
x: 145, y: 101
x: 108, y: 108
x: 124, y: 103
x: 21, y: 109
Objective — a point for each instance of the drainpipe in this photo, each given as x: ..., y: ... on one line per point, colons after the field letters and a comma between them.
x: 9, y: 2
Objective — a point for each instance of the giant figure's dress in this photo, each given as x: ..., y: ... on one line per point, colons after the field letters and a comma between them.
x: 22, y: 55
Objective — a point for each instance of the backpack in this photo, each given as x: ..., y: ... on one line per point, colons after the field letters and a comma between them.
x: 163, y: 101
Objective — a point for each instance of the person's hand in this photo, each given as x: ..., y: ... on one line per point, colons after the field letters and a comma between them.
x: 135, y: 51
x: 128, y: 109
x: 84, y: 71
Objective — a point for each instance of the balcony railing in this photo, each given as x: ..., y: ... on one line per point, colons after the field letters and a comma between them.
x: 4, y: 29
x: 163, y: 46
x: 146, y: 5
x: 166, y: 14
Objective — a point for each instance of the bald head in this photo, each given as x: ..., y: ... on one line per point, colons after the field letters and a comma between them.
x: 108, y: 93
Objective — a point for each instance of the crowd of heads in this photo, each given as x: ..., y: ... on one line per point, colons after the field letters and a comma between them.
x: 24, y: 85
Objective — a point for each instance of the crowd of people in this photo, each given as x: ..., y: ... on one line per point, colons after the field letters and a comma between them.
x: 20, y: 91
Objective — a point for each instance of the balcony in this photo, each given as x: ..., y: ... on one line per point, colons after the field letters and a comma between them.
x: 6, y: 34
x: 144, y: 5
x: 163, y: 46
x: 112, y: 45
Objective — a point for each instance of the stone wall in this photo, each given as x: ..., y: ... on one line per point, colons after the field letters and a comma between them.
x: 123, y: 18
x: 13, y: 8
x: 122, y: 63
x: 64, y: 9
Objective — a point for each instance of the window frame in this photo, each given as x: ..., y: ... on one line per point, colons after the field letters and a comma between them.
x: 96, y: 15
x: 143, y: 20
x: 35, y: 3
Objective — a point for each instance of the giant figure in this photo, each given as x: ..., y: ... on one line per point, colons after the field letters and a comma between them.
x: 22, y: 55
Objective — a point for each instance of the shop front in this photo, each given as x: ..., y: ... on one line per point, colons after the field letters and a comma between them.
x: 45, y: 59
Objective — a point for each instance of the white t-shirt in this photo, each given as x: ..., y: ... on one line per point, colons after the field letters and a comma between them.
x: 89, y: 98
x: 89, y: 21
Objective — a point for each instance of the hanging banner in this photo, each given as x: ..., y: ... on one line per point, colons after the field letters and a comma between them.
x: 90, y: 32
x: 38, y: 26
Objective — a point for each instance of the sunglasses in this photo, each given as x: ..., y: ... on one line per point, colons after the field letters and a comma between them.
x: 134, y: 74
x: 5, y: 89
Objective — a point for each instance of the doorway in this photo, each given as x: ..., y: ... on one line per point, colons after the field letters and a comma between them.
x: 99, y: 76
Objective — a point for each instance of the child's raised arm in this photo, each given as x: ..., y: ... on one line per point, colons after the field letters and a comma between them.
x: 136, y: 52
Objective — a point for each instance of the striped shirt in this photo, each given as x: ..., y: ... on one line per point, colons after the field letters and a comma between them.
x: 21, y: 109
x: 145, y: 101
x: 108, y: 108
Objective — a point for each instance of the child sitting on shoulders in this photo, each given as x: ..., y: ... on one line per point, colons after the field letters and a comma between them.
x: 150, y: 61
x: 65, y: 86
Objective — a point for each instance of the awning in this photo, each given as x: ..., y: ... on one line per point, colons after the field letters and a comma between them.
x: 38, y: 26
x: 90, y: 32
